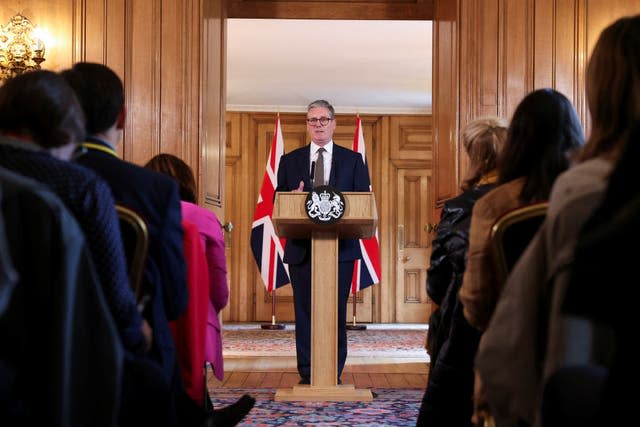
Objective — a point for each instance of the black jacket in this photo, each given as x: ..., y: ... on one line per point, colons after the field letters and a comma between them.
x: 452, y: 342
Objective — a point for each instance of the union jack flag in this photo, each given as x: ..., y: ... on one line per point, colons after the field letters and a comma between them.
x: 267, y: 247
x: 366, y: 271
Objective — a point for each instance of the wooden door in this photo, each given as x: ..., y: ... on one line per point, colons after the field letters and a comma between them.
x: 414, y: 248
x: 411, y: 193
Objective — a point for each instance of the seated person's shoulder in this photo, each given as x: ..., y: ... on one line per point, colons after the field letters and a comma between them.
x: 584, y: 180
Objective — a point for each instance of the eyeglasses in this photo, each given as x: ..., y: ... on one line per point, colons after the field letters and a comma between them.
x: 323, y: 121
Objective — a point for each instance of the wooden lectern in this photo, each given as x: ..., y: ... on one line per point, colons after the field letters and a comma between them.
x: 290, y: 220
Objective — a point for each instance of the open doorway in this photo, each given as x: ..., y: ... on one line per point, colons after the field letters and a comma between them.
x: 376, y: 68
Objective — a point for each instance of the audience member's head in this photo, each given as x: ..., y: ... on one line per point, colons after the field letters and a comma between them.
x: 101, y: 95
x: 543, y: 136
x: 177, y: 169
x: 482, y: 140
x: 41, y: 107
x: 613, y: 87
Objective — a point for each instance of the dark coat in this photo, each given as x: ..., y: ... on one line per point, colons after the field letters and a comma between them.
x: 155, y: 197
x: 348, y: 173
x: 89, y: 199
x: 452, y: 341
x: 61, y: 356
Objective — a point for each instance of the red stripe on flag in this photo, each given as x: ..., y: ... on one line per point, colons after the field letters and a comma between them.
x: 370, y: 248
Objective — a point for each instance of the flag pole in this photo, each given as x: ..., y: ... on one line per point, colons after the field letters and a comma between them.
x: 273, y: 325
x: 355, y: 326
x: 265, y: 208
x: 356, y: 281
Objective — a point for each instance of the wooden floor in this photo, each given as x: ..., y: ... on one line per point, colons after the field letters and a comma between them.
x: 363, y: 372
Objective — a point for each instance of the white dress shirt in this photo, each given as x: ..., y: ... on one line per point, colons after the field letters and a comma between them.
x: 328, y: 155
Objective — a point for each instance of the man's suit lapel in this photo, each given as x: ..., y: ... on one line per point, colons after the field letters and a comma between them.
x: 335, y: 162
x: 303, y: 163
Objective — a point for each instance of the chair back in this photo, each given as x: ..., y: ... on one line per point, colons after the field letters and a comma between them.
x: 511, y: 234
x: 190, y: 329
x: 135, y: 237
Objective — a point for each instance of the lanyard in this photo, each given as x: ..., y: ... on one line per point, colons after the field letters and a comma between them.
x: 99, y: 147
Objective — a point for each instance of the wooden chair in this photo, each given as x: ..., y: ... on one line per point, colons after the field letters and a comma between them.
x: 511, y: 234
x: 135, y: 237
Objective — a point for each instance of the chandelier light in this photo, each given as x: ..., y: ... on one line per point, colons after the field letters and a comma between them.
x: 21, y: 50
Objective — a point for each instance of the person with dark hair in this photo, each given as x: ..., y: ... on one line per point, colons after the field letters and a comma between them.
x: 528, y: 338
x: 155, y: 197
x: 543, y: 136
x: 210, y: 230
x: 452, y: 342
x: 58, y: 335
x: 346, y: 171
x: 606, y: 378
x: 41, y: 123
x: 152, y: 195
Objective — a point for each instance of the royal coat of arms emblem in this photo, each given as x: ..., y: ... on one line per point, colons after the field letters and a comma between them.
x: 325, y: 205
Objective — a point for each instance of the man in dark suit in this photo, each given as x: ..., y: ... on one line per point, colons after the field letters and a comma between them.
x: 156, y: 198
x: 344, y: 170
x: 152, y: 195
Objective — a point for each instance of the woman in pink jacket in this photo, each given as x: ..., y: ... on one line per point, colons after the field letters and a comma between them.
x: 213, y: 242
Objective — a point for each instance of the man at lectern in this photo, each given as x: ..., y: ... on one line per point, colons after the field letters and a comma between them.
x: 344, y: 170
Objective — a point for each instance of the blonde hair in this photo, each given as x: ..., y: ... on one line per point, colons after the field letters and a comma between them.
x: 482, y: 139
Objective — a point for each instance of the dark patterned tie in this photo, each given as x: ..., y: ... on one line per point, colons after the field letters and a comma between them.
x: 319, y: 178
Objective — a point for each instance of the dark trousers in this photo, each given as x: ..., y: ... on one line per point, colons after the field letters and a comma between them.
x: 301, y: 283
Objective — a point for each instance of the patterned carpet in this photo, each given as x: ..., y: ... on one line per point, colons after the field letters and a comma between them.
x: 378, y: 340
x: 392, y: 407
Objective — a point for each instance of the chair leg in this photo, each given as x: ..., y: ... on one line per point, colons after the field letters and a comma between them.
x: 208, y: 406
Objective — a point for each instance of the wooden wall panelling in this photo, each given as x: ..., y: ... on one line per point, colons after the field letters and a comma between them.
x: 446, y: 101
x: 515, y: 47
x: 384, y: 309
x: 155, y: 47
x: 232, y: 213
x: 113, y: 30
x: 91, y: 45
x: 331, y: 9
x: 142, y: 80
x: 545, y: 34
x: 174, y: 80
x: 565, y: 44
x: 99, y: 37
x: 488, y: 29
x: 238, y: 210
x: 192, y: 140
x: 213, y: 103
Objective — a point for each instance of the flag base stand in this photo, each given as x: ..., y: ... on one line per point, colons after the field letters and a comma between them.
x: 273, y: 325
x: 355, y: 327
x: 352, y: 327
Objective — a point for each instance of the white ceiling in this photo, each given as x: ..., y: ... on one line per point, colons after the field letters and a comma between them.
x: 358, y: 66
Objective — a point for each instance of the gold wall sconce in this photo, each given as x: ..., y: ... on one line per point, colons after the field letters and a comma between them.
x: 21, y: 50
